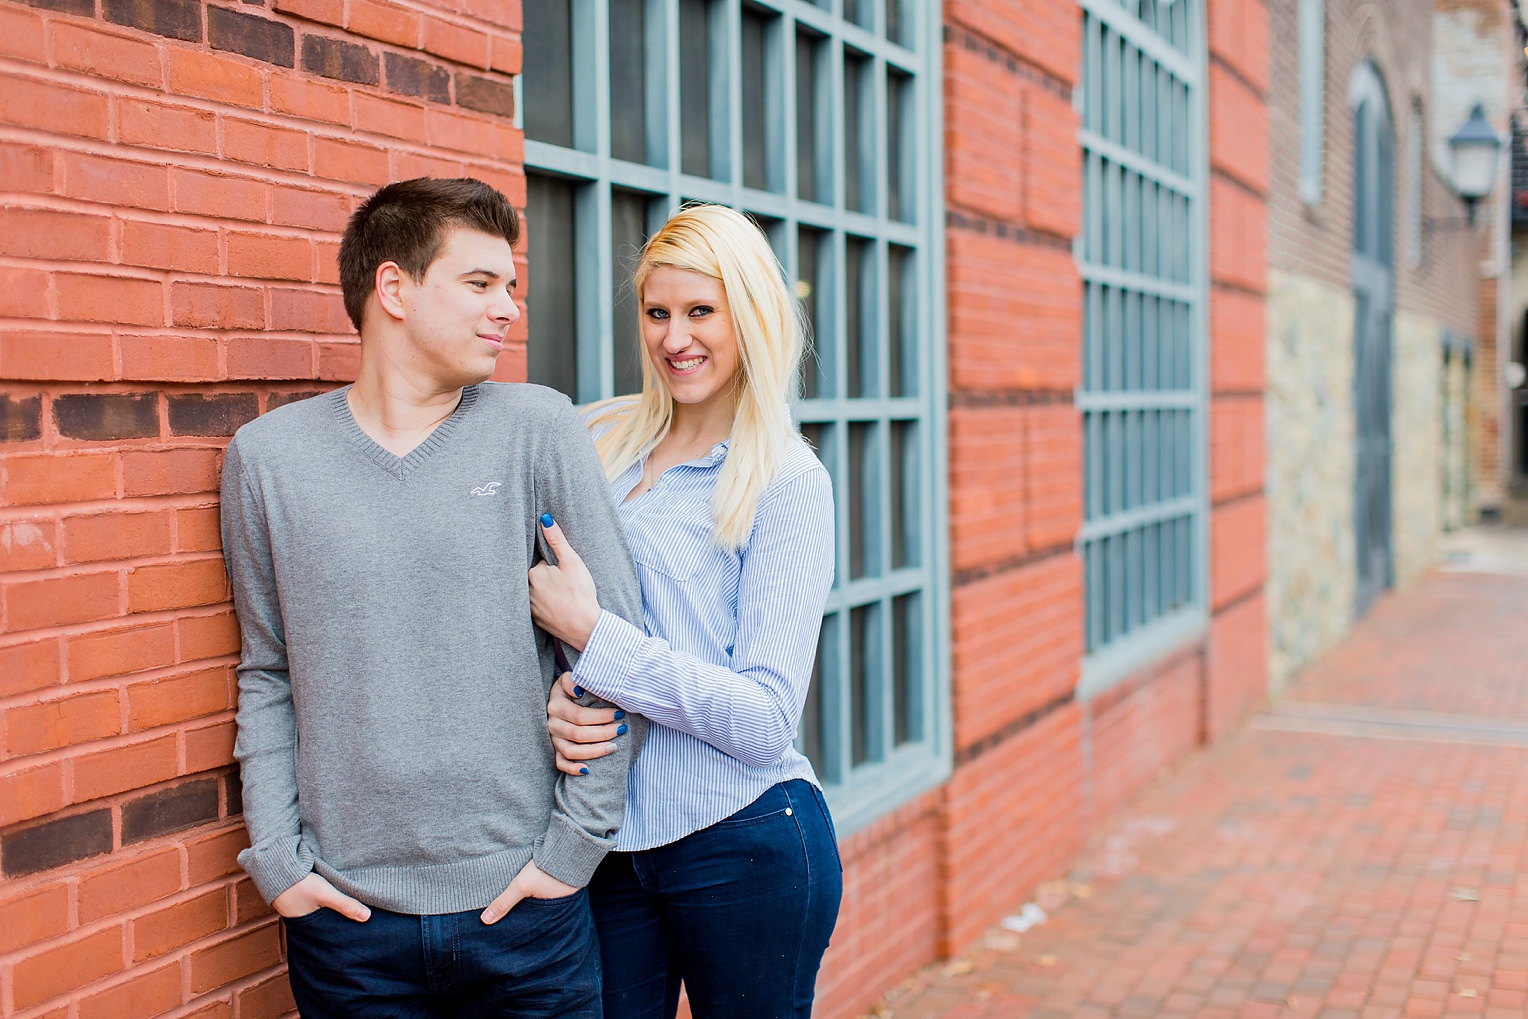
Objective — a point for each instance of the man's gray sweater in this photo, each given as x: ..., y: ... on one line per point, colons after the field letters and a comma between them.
x: 392, y: 693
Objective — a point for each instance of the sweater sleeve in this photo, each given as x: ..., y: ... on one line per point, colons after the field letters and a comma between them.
x: 749, y: 710
x: 266, y: 745
x: 571, y: 486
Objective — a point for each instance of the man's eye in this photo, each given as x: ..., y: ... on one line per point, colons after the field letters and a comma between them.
x: 480, y: 284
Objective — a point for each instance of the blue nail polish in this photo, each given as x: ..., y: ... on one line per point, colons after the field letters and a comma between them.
x: 621, y: 731
x: 578, y: 691
x: 546, y: 520
x: 619, y: 714
x: 583, y: 771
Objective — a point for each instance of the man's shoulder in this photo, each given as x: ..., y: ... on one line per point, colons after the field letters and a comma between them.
x: 283, y: 425
x: 523, y: 398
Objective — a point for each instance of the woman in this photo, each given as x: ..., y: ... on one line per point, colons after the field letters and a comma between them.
x: 726, y: 874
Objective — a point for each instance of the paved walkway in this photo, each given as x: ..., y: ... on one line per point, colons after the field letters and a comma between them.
x: 1358, y: 850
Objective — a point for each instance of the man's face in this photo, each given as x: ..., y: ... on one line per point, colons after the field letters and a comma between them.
x: 457, y: 316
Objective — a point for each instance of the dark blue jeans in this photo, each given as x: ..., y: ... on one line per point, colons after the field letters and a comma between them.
x: 540, y: 960
x: 741, y: 912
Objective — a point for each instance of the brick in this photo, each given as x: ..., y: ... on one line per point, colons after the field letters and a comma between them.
x: 56, y: 357
x: 60, y: 601
x: 129, y: 884
x: 1238, y: 538
x: 62, y: 722
x: 506, y: 55
x: 55, y: 108
x: 21, y: 34
x: 142, y: 995
x: 330, y: 12
x: 114, y: 536
x: 233, y: 793
x: 274, y: 400
x: 1052, y: 163
x: 216, y: 306
x: 417, y: 77
x: 160, y: 126
x: 41, y: 479
x: 218, y: 195
x: 350, y: 161
x: 329, y: 263
x: 210, y: 747
x: 984, y: 142
x: 407, y: 165
x: 234, y: 959
x: 339, y: 362
x: 1237, y: 337
x: 1048, y: 35
x: 269, y: 999
x: 176, y: 585
x: 34, y: 917
x: 34, y: 792
x: 309, y: 99
x: 23, y: 292
x: 120, y: 651
x: 486, y: 95
x: 215, y: 1010
x: 211, y: 414
x: 158, y: 357
x: 162, y: 246
x: 390, y: 117
x: 221, y: 79
x: 169, y: 810
x: 54, y: 843
x: 20, y: 419
x: 312, y: 210
x: 60, y: 970
x: 384, y: 22
x: 26, y: 168
x: 345, y: 61
x: 1238, y: 236
x: 107, y: 415
x: 259, y: 357
x: 1239, y: 143
x: 196, y: 530
x: 492, y: 11
x: 308, y: 311
x: 159, y: 702
x: 50, y: 233
x: 209, y: 857
x: 111, y: 56
x: 263, y: 145
x: 1052, y: 476
x: 986, y: 470
x: 178, y: 925
x: 169, y: 472
x: 456, y: 43
x: 261, y: 38
x: 269, y: 256
x: 33, y: 665
x: 28, y: 545
x: 247, y: 903
x: 122, y: 769
x: 1237, y: 446
x: 116, y: 299
x: 177, y: 19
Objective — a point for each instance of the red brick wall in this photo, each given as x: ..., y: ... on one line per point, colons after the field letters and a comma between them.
x: 173, y: 180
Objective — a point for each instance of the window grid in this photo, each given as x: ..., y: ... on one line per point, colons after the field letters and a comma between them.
x: 852, y: 209
x: 1141, y: 258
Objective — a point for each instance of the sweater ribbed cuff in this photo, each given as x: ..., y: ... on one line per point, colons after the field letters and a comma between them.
x: 277, y: 864
x: 568, y: 853
x: 607, y: 657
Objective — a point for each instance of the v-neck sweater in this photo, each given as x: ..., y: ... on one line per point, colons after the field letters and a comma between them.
x: 392, y: 689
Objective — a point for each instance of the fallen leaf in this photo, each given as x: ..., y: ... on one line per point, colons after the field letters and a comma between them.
x: 1469, y: 992
x: 1466, y: 895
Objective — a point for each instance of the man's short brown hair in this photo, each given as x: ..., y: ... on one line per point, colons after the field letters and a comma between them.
x: 406, y: 222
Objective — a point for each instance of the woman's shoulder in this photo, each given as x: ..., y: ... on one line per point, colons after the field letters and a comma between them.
x: 801, y: 474
x: 604, y: 415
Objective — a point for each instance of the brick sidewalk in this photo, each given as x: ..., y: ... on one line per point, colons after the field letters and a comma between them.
x: 1359, y: 851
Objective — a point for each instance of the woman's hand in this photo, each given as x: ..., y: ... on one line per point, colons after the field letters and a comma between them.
x: 563, y: 600
x: 580, y: 734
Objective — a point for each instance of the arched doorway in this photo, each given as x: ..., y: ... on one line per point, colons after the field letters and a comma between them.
x: 1373, y: 268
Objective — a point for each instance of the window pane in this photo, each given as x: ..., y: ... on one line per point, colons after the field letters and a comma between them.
x: 628, y: 80
x: 548, y: 78
x: 902, y: 465
x: 813, y: 254
x: 755, y: 74
x: 898, y: 21
x: 899, y: 174
x: 859, y: 193
x: 864, y: 538
x: 551, y: 299
x: 901, y: 343
x: 859, y: 326
x: 695, y: 87
x: 864, y: 689
x: 811, y: 711
x: 813, y: 182
x: 907, y: 668
x: 628, y: 232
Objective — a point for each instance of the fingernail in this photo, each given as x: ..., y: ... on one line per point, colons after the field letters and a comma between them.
x: 546, y: 520
x: 619, y: 714
x: 489, y: 918
x: 578, y: 691
x: 621, y: 731
x: 583, y: 771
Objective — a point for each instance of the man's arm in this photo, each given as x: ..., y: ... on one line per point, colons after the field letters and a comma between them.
x: 570, y: 485
x: 266, y: 746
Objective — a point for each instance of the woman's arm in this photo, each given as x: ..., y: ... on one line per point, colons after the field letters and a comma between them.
x: 750, y: 710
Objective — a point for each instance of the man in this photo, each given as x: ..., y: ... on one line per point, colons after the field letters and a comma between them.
x: 406, y: 817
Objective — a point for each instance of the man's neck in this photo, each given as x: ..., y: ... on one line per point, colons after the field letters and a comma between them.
x: 396, y: 409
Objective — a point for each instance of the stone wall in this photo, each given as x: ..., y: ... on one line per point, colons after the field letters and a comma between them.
x: 1416, y: 436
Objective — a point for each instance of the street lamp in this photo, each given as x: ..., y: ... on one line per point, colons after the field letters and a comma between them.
x: 1474, y: 148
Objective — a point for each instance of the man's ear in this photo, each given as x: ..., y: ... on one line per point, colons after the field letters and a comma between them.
x: 388, y: 286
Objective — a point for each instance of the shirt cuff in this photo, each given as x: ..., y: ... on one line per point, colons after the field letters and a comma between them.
x: 607, y: 657
x: 568, y: 853
x: 277, y: 865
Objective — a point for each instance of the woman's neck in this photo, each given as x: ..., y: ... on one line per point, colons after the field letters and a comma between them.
x: 700, y: 426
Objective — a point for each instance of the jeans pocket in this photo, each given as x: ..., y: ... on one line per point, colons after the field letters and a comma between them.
x: 554, y: 901
x: 772, y: 803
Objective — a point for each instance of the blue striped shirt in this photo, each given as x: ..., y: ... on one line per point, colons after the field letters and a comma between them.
x: 723, y: 668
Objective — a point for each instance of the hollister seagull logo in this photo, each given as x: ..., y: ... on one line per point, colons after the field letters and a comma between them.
x: 492, y: 488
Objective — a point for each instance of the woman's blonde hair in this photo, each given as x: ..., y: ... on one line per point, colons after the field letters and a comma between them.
x: 723, y: 244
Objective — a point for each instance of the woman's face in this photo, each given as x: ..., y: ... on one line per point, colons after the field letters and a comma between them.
x: 687, y: 330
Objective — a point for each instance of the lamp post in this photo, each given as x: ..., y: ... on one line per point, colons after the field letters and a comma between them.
x: 1474, y: 148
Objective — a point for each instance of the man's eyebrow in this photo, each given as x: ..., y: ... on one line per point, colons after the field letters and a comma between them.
x: 479, y: 272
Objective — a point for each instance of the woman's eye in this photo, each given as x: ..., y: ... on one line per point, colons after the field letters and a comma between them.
x: 656, y: 313
x: 703, y: 309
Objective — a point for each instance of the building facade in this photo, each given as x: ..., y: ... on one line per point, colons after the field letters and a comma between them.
x: 1030, y: 237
